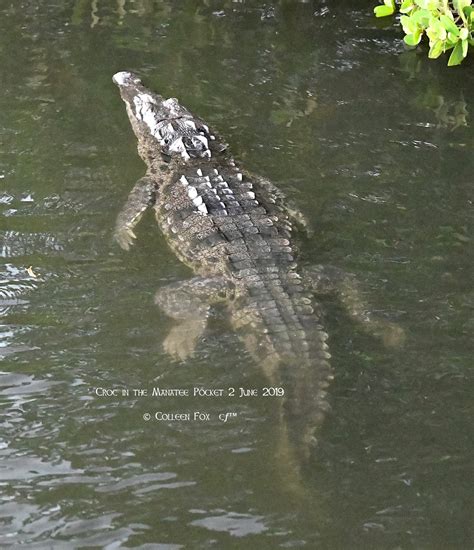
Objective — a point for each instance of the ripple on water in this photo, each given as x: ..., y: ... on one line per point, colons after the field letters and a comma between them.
x: 145, y: 483
x: 233, y: 523
x: 15, y: 285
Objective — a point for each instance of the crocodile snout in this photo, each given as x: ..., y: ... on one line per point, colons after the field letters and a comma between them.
x: 125, y: 78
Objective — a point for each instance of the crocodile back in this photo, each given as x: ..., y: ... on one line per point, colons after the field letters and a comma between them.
x: 218, y: 221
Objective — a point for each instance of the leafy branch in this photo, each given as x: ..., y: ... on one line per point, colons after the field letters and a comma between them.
x: 448, y: 24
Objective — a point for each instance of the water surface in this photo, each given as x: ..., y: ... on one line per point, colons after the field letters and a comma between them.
x: 374, y: 144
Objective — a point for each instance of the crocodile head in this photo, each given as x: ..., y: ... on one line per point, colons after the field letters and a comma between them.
x: 164, y: 122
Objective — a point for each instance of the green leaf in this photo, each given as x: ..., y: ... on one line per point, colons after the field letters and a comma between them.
x: 448, y: 44
x: 469, y: 13
x: 463, y: 33
x: 413, y: 39
x: 435, y: 30
x: 436, y: 49
x: 407, y: 6
x: 464, y: 47
x: 461, y: 4
x: 383, y: 11
x: 456, y: 55
x: 428, y: 4
x: 449, y: 24
x: 409, y: 26
x: 421, y: 17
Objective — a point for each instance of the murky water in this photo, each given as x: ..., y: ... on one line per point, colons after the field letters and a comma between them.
x: 372, y: 142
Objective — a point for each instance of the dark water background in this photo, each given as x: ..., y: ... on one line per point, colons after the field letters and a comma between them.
x: 375, y: 145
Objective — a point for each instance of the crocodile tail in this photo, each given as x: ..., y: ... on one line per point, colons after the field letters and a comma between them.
x: 305, y: 380
x: 306, y: 404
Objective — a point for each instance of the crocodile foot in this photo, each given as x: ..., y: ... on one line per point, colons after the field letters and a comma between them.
x: 182, y: 339
x: 330, y: 279
x: 124, y: 236
x: 140, y: 198
x: 392, y: 335
x: 189, y: 303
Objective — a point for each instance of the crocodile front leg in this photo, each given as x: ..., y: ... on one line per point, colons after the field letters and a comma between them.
x: 329, y: 279
x: 189, y: 303
x: 140, y: 198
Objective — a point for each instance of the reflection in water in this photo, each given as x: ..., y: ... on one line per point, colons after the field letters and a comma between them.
x: 314, y: 96
x: 18, y: 244
x: 452, y: 114
x: 450, y: 109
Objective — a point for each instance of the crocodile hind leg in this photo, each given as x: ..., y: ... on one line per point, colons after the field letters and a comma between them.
x: 189, y: 303
x: 140, y: 198
x: 330, y: 279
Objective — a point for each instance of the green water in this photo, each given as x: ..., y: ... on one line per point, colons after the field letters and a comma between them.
x: 372, y: 142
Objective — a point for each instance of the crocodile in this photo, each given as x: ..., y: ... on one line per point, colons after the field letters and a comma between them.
x: 235, y: 231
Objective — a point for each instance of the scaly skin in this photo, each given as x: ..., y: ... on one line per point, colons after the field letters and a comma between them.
x: 234, y: 230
